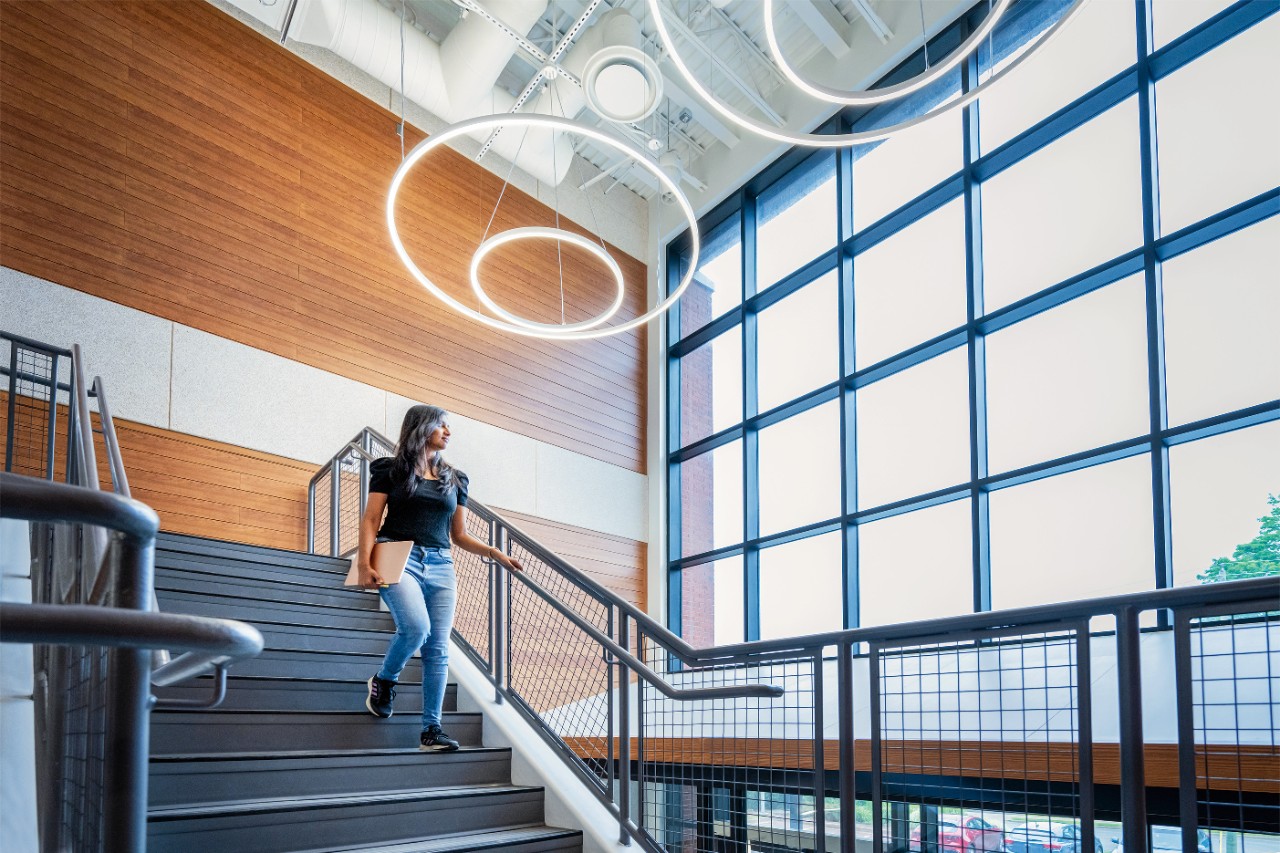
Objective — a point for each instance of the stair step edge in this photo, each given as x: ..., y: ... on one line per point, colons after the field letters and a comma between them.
x: 287, y: 755
x: 294, y: 804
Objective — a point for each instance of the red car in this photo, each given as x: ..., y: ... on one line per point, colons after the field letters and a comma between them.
x: 974, y: 834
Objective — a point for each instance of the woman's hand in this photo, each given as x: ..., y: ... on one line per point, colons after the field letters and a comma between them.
x: 369, y: 578
x: 510, y: 562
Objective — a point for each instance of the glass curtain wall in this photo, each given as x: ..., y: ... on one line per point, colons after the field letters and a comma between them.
x: 1022, y: 353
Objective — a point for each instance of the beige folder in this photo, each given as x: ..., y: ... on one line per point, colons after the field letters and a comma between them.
x: 388, y: 559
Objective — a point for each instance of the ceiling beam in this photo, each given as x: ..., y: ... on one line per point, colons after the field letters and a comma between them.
x: 877, y: 24
x: 823, y: 21
x: 679, y: 28
x: 701, y: 114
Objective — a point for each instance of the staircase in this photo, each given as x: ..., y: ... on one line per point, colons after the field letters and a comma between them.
x: 291, y: 761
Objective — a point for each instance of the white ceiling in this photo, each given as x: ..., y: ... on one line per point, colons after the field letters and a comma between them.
x: 814, y: 33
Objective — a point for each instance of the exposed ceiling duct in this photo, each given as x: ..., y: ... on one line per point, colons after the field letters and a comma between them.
x: 456, y: 79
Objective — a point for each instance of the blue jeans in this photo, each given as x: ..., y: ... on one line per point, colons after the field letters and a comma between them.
x: 422, y: 606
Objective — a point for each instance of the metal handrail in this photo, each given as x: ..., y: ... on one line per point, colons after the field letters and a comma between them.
x: 627, y: 624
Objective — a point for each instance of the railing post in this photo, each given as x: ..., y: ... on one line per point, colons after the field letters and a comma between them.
x: 844, y: 704
x: 311, y: 517
x: 335, y: 509
x: 877, y: 805
x: 1133, y: 785
x: 1188, y: 808
x: 128, y: 741
x: 624, y: 740
x: 498, y: 654
x: 819, y: 761
x: 1084, y: 725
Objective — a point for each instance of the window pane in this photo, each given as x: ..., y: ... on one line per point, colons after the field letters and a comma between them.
x: 1079, y: 535
x: 888, y: 174
x: 910, y: 287
x: 796, y: 222
x: 711, y: 499
x: 913, y: 431
x: 1220, y: 488
x: 711, y: 387
x: 1221, y: 302
x: 717, y: 287
x: 1097, y: 45
x: 1063, y: 210
x: 1219, y: 138
x: 798, y: 343
x: 800, y: 587
x: 800, y: 469
x: 1069, y: 379
x: 711, y: 597
x: 916, y: 566
x: 1172, y: 18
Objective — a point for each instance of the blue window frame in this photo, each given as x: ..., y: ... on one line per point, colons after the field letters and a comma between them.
x: 733, y: 556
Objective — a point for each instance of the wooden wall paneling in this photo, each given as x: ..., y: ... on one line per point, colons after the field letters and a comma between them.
x: 164, y: 156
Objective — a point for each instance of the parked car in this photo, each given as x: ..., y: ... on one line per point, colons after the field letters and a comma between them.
x: 973, y: 834
x: 1046, y: 838
x: 1168, y: 839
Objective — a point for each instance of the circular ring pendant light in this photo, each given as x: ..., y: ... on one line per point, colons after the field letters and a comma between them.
x: 506, y: 321
x: 841, y: 140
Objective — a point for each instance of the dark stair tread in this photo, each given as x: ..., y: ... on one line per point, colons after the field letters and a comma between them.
x: 232, y: 678
x: 166, y: 541
x: 460, y: 843
x: 293, y: 804
x: 447, y: 715
x: 286, y: 754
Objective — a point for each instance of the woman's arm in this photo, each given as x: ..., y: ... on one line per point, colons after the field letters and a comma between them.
x: 467, y: 542
x: 369, y: 524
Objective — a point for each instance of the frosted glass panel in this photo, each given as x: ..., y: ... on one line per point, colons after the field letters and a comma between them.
x: 800, y: 587
x: 1220, y: 488
x: 1221, y: 303
x: 910, y: 287
x: 717, y: 286
x: 711, y: 387
x: 711, y: 603
x: 1219, y: 137
x: 800, y: 469
x: 1074, y: 536
x: 1172, y: 18
x: 798, y: 342
x: 913, y: 431
x: 711, y: 499
x: 797, y: 222
x: 916, y: 566
x: 1063, y: 210
x: 1069, y: 379
x: 891, y: 173
x: 1090, y: 50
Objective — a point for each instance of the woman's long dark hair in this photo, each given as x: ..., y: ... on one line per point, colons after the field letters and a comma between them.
x: 419, y: 423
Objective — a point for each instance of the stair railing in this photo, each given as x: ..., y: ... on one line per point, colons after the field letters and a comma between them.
x: 757, y: 744
x: 99, y: 647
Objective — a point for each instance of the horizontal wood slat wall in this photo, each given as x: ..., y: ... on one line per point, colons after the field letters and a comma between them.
x: 159, y: 154
x: 1220, y: 766
x: 209, y: 488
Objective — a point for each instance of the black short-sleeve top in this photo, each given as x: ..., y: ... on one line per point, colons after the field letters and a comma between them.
x: 423, y: 516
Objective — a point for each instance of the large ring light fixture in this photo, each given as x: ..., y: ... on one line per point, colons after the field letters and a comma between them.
x: 842, y: 140
x: 538, y: 232
x: 869, y: 97
x: 554, y: 124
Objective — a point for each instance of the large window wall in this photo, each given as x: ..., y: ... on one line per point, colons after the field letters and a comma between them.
x: 1023, y: 353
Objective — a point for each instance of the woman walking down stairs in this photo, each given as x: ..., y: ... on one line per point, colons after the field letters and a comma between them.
x: 292, y: 761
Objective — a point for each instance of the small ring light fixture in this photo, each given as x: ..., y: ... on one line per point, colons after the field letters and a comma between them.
x: 539, y: 232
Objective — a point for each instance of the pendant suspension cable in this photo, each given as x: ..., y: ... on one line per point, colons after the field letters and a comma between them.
x: 924, y: 36
x: 402, y: 109
x: 506, y: 181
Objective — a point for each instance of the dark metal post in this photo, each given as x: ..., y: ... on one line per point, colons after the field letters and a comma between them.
x: 128, y: 742
x: 611, y: 771
x: 53, y: 414
x: 1084, y: 702
x: 498, y: 653
x: 1133, y: 786
x: 639, y: 816
x: 877, y: 805
x: 13, y: 401
x: 819, y: 761
x: 844, y: 702
x: 335, y: 515
x: 624, y: 740
x: 1188, y: 808
x: 311, y: 517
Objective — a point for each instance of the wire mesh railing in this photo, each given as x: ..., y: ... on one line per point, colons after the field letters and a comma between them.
x: 1019, y: 731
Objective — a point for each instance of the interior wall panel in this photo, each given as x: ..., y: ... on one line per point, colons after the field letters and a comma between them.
x: 159, y: 154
